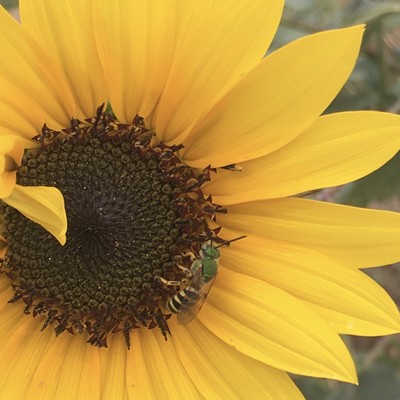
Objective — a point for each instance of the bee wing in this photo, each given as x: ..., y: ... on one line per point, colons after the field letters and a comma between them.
x: 198, y: 280
x: 191, y: 308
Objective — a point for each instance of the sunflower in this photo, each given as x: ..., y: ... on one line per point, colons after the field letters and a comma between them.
x: 144, y: 141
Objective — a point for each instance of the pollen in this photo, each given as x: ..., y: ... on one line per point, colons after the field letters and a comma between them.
x: 134, y: 210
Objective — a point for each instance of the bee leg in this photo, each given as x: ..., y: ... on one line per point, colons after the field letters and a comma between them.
x: 168, y: 283
x: 190, y: 254
x: 185, y: 270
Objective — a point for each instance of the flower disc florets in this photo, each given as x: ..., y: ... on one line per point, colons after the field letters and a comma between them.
x: 133, y: 211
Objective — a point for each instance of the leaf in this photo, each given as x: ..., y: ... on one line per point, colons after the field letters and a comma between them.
x: 372, y: 14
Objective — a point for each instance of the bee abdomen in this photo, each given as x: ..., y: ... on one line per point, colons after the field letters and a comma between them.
x: 188, y: 295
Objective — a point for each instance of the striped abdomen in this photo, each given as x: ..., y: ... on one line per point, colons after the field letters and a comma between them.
x: 185, y: 298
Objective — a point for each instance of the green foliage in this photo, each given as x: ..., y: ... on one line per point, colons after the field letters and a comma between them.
x: 9, y: 3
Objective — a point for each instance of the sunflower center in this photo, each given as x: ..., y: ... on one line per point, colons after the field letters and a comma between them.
x: 133, y: 211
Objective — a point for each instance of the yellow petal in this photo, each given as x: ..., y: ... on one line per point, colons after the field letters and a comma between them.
x: 65, y: 30
x: 113, y: 369
x: 68, y: 368
x: 7, y: 179
x: 47, y: 372
x: 354, y: 236
x: 140, y: 382
x: 11, y: 152
x: 216, y: 43
x: 336, y: 149
x: 3, y: 247
x: 14, y: 146
x: 221, y: 372
x: 269, y: 325
x: 160, y: 359
x: 43, y: 205
x: 39, y: 365
x: 10, y: 313
x: 5, y: 287
x: 33, y: 89
x: 348, y: 299
x: 276, y: 101
x: 135, y: 41
x: 21, y: 350
x: 79, y: 375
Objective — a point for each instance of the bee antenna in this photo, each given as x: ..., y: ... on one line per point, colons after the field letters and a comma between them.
x: 230, y: 241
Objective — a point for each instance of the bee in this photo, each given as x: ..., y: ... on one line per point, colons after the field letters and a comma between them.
x: 202, y: 274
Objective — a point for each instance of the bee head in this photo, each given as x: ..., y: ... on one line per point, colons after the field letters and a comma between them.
x: 209, y: 251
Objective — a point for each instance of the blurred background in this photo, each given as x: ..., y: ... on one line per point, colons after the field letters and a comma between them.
x: 374, y: 85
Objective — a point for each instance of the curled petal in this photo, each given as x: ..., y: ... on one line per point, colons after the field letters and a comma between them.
x: 43, y: 205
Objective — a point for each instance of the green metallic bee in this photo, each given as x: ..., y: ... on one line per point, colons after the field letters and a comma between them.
x: 202, y: 274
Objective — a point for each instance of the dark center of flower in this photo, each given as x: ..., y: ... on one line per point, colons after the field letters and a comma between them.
x: 133, y: 211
